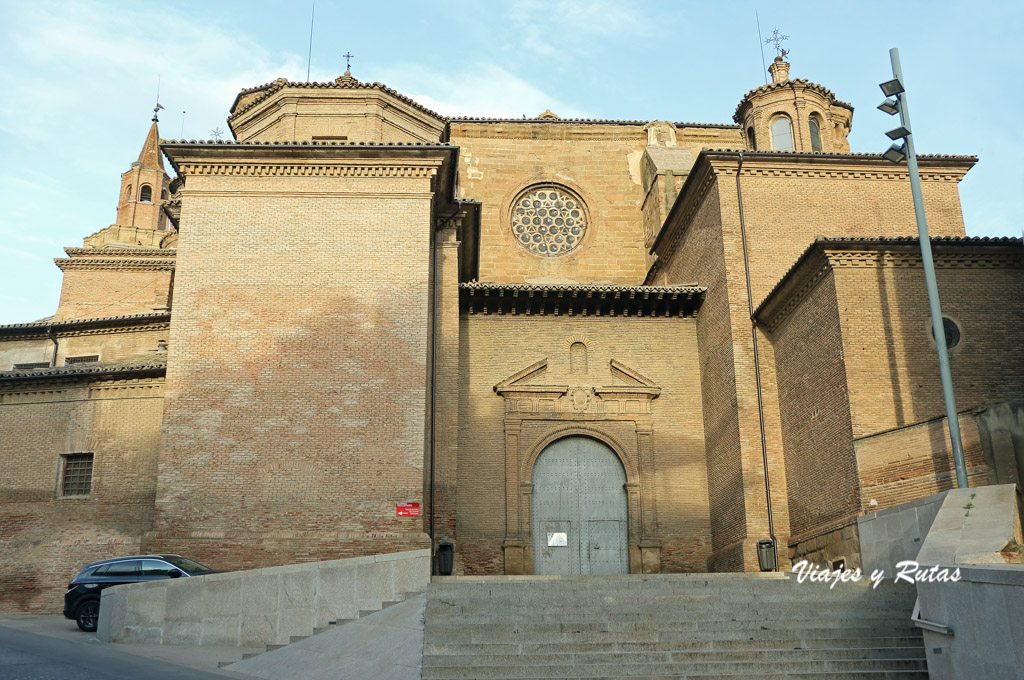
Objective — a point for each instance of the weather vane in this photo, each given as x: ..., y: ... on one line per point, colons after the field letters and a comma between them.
x: 348, y: 60
x: 776, y: 39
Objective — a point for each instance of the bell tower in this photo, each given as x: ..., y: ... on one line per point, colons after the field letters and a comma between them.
x: 144, y: 186
x: 793, y: 115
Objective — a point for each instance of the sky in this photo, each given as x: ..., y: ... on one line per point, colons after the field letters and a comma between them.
x: 79, y: 80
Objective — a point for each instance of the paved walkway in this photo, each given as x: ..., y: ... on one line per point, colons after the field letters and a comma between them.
x: 50, y: 646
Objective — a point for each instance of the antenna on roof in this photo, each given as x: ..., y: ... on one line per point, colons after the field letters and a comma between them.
x: 764, y: 69
x: 309, y: 58
x: 182, y: 135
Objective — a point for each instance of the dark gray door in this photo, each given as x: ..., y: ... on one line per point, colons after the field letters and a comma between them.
x: 579, y: 510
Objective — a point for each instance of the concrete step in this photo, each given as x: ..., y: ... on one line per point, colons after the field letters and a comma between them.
x: 741, y: 626
x: 716, y: 668
x: 801, y: 675
x: 827, y: 627
x: 694, y: 656
x: 712, y: 645
x: 681, y: 613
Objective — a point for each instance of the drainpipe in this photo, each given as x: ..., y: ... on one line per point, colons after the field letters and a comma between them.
x: 49, y: 334
x: 757, y: 365
x: 433, y: 390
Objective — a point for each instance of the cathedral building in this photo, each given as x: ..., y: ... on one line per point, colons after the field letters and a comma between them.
x: 563, y: 346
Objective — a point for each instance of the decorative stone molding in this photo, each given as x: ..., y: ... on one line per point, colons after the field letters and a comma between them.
x: 117, y: 263
x: 307, y: 170
x: 579, y: 410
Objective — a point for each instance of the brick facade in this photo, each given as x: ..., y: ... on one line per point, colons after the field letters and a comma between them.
x: 334, y: 313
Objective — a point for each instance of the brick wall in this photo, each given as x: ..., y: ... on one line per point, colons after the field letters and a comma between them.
x: 295, y: 415
x: 821, y: 470
x: 601, y: 163
x: 87, y: 294
x: 890, y: 355
x: 44, y: 538
x: 493, y: 347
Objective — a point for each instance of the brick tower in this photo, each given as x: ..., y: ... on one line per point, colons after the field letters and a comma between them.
x: 143, y: 186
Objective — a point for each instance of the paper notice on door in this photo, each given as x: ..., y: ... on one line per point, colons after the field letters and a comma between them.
x: 558, y: 539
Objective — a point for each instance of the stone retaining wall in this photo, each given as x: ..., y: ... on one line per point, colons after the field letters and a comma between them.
x: 259, y: 606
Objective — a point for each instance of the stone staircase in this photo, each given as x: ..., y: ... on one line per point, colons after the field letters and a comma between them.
x: 669, y: 626
x: 331, y: 625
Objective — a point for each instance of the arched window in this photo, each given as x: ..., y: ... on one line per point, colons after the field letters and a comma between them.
x: 146, y: 193
x: 751, y: 138
x: 782, y: 134
x: 163, y: 194
x: 577, y: 358
x: 815, y: 134
x: 128, y: 193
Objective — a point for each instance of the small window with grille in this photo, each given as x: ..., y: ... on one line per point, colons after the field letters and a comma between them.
x: 83, y: 359
x: 77, y: 477
x: 30, y: 366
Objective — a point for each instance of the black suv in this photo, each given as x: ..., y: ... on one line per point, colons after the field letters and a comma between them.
x: 82, y: 601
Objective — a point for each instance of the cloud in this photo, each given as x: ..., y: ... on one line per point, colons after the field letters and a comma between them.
x: 551, y: 27
x: 482, y: 89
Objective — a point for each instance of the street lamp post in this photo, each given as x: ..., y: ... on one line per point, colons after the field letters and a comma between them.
x: 897, y: 153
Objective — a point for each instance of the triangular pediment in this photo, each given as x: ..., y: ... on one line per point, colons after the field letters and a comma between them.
x: 628, y: 375
x: 517, y: 382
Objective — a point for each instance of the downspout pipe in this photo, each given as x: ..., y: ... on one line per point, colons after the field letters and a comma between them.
x: 757, y: 365
x: 49, y: 334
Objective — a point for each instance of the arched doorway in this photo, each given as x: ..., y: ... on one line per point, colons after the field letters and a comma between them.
x: 579, y: 509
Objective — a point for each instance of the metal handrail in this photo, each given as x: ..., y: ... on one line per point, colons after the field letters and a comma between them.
x: 916, y: 619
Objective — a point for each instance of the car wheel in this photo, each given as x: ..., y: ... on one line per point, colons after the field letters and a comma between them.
x: 88, y: 615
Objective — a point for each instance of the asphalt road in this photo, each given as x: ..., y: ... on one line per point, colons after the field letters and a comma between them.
x: 28, y: 656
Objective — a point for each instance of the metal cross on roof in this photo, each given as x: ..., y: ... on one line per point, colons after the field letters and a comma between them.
x: 348, y: 60
x: 776, y: 39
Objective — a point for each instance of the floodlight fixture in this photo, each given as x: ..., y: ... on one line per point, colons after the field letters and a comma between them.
x: 896, y: 153
x: 890, y: 106
x: 892, y: 87
x: 898, y: 133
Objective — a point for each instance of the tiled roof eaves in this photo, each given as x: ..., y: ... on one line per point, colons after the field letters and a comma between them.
x: 861, y: 241
x: 353, y: 84
x: 81, y: 324
x: 243, y: 145
x: 123, y: 369
x: 826, y: 156
x: 827, y: 93
x: 474, y: 286
x: 584, y: 121
x: 135, y: 252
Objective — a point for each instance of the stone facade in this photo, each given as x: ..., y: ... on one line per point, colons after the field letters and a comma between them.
x: 358, y: 305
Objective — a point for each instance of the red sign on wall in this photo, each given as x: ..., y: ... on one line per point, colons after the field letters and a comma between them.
x: 407, y: 510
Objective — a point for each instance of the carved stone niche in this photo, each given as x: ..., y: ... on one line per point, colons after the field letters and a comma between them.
x: 619, y: 415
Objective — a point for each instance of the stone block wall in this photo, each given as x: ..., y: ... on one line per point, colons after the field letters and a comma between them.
x: 259, y: 607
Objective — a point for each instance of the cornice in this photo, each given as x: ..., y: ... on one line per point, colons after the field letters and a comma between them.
x: 142, y: 368
x: 306, y: 170
x: 111, y: 324
x: 584, y: 300
x: 133, y: 264
x: 105, y: 252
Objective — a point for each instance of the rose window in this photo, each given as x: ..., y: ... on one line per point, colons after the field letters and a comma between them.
x: 548, y: 221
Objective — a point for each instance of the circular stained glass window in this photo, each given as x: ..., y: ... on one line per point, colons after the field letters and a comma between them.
x: 548, y: 221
